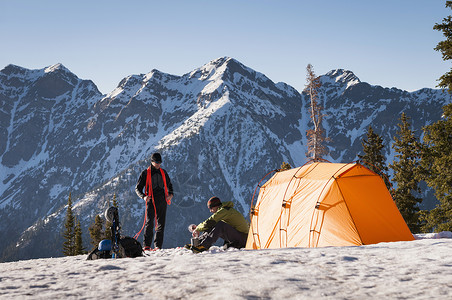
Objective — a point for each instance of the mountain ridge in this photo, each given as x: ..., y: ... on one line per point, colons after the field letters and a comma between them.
x: 220, y: 128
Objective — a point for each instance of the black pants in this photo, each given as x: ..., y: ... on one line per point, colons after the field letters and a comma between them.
x: 160, y: 207
x: 229, y: 234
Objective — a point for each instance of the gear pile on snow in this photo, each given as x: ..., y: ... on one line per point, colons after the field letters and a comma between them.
x: 119, y: 246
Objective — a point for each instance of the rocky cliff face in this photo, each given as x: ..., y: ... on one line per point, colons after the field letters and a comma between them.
x: 220, y: 129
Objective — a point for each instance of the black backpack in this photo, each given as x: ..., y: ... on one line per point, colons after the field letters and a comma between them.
x: 129, y: 247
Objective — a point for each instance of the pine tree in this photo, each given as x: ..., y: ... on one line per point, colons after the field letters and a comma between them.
x: 285, y: 166
x: 445, y: 47
x: 436, y: 164
x: 115, y: 203
x: 406, y: 174
x: 78, y: 247
x: 437, y: 152
x: 373, y: 157
x: 96, y: 230
x: 69, y: 234
x: 316, y: 136
x: 107, y: 232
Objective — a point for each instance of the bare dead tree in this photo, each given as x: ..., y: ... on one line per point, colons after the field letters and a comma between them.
x: 316, y: 136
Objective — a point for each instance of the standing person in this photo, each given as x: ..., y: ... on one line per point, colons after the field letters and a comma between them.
x: 225, y: 222
x: 155, y: 188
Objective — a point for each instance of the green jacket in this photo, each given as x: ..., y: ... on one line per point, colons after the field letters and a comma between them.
x: 228, y: 214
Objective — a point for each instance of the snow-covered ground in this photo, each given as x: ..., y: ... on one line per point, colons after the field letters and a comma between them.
x: 421, y: 269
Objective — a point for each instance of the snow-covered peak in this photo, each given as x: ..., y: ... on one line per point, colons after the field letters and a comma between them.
x: 157, y: 75
x: 151, y: 74
x: 12, y: 69
x: 210, y: 71
x: 342, y: 76
x: 56, y: 67
x: 61, y: 72
x: 219, y: 62
x: 128, y: 82
x: 217, y: 68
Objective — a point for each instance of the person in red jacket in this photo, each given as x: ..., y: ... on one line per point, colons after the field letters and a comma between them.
x: 154, y: 186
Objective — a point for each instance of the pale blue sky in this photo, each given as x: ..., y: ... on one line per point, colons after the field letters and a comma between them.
x: 387, y: 42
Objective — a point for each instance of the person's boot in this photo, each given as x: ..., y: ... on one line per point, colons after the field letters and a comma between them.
x: 195, y: 249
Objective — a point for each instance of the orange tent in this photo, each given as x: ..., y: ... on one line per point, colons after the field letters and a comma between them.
x: 325, y: 204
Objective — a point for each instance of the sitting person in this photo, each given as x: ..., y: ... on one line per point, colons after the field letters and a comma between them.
x: 225, y: 222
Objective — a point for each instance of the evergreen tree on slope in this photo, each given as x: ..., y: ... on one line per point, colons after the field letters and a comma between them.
x: 445, y: 47
x: 437, y: 167
x: 69, y: 233
x: 96, y: 230
x: 78, y: 241
x: 436, y: 159
x: 373, y: 158
x: 285, y: 166
x: 406, y: 174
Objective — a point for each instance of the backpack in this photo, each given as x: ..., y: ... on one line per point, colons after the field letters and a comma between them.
x: 128, y: 247
x: 97, y: 254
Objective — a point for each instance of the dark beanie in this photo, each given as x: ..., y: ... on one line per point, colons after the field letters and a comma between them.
x: 213, y: 202
x: 156, y: 157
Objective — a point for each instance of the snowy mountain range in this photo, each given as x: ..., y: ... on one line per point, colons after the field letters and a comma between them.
x: 220, y: 129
